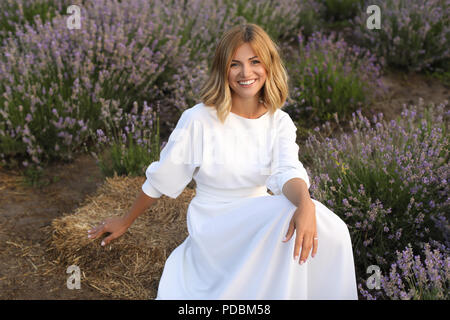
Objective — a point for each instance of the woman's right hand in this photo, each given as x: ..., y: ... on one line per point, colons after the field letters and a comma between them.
x: 116, y: 226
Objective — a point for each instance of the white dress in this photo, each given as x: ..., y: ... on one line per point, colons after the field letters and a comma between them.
x: 234, y: 249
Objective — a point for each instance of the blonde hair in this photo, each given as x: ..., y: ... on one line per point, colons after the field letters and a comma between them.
x: 216, y: 90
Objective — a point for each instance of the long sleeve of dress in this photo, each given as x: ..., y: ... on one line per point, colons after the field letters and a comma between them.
x: 285, y: 163
x: 175, y: 168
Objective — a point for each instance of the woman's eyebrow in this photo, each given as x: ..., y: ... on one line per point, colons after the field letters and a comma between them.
x: 248, y: 59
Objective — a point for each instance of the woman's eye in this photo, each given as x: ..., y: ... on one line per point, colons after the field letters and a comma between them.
x: 235, y: 64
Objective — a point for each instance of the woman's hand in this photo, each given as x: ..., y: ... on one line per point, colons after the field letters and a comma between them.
x: 304, y: 221
x: 116, y: 226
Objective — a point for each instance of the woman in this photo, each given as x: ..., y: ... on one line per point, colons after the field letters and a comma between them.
x: 237, y: 143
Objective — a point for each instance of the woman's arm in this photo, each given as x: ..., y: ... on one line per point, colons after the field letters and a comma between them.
x: 119, y: 225
x: 142, y: 203
x: 303, y: 220
x: 296, y: 190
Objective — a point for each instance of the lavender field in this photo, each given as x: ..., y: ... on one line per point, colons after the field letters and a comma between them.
x: 78, y: 106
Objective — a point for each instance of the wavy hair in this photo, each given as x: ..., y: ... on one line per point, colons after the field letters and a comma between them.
x: 216, y: 91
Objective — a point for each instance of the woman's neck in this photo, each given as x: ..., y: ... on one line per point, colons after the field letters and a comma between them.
x: 248, y: 108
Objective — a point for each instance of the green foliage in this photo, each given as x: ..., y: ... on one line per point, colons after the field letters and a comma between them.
x: 126, y: 157
x: 21, y: 12
x: 328, y: 77
x: 339, y: 10
x: 385, y: 180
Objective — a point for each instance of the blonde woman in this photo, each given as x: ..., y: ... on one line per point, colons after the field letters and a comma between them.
x: 244, y: 243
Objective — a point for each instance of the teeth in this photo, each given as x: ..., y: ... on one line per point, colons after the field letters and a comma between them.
x: 247, y: 82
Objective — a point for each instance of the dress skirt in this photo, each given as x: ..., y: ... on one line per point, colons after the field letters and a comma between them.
x: 234, y: 251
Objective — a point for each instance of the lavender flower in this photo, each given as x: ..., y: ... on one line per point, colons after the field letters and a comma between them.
x: 408, y: 27
x: 393, y: 192
x: 415, y: 280
x: 332, y: 77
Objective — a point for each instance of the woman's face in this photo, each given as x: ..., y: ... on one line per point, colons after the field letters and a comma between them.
x: 246, y: 66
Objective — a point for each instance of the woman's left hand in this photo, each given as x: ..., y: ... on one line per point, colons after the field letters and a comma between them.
x: 304, y: 221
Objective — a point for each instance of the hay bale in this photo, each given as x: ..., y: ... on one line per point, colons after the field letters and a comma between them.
x: 129, y: 267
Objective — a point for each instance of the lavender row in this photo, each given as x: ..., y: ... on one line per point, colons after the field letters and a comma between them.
x: 59, y: 86
x: 388, y: 182
x: 328, y: 76
x: 414, y: 35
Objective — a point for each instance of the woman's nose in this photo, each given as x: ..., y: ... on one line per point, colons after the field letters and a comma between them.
x: 245, y: 71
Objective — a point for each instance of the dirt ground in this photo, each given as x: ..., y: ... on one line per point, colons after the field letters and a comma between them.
x: 25, y: 211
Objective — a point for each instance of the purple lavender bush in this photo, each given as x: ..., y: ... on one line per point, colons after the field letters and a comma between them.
x: 59, y: 85
x: 410, y: 279
x: 280, y: 19
x: 14, y: 12
x: 128, y: 151
x: 414, y: 34
x: 387, y: 181
x: 328, y: 76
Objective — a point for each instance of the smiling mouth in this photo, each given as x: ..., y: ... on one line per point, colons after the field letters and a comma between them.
x: 248, y: 83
